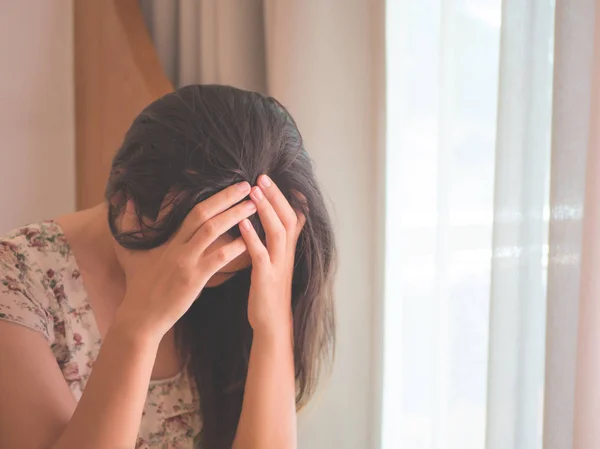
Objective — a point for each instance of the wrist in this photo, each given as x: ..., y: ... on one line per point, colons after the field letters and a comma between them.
x: 132, y: 327
x: 280, y: 335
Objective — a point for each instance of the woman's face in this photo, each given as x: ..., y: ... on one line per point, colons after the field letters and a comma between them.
x: 229, y: 270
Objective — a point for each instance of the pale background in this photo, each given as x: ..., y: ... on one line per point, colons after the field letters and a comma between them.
x: 37, y: 156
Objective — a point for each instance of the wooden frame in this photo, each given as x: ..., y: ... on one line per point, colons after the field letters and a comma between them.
x: 117, y: 73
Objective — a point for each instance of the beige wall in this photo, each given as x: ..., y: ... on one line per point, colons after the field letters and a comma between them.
x: 37, y: 174
x: 326, y: 66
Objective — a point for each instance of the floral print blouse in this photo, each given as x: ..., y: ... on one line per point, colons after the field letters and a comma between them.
x: 41, y: 288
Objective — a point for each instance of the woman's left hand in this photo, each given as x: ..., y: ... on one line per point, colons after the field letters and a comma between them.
x: 270, y: 300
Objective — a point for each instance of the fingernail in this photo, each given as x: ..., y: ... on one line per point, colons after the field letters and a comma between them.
x: 257, y: 193
x: 251, y: 206
x: 265, y: 181
x: 245, y: 224
x: 243, y: 186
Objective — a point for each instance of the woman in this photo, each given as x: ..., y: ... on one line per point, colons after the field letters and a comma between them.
x: 203, y: 302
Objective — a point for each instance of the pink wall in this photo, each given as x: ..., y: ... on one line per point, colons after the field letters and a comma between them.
x: 37, y: 173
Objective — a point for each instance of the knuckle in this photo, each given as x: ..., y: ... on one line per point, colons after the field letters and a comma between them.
x: 279, y: 232
x: 185, y: 276
x: 184, y: 272
x: 290, y: 221
x: 262, y: 256
x: 209, y: 228
x: 199, y: 214
x: 222, y: 255
x: 182, y: 262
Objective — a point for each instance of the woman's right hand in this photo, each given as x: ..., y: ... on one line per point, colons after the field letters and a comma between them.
x: 162, y: 283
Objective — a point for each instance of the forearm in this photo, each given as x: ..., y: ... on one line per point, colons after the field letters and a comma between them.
x: 110, y: 410
x: 268, y: 418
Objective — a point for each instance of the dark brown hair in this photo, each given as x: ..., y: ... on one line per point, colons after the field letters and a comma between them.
x: 185, y: 147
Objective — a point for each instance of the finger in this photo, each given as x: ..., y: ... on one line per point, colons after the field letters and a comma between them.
x: 256, y: 249
x: 222, y: 256
x: 299, y: 214
x: 301, y: 222
x: 274, y: 230
x: 210, y: 207
x: 219, y: 225
x: 282, y: 207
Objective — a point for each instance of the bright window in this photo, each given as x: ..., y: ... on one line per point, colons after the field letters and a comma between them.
x: 442, y: 72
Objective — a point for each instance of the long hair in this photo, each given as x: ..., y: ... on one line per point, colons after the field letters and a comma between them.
x: 180, y: 150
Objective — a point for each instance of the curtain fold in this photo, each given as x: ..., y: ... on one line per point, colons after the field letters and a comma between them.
x: 587, y: 375
x: 544, y: 393
x: 519, y: 254
x: 571, y: 124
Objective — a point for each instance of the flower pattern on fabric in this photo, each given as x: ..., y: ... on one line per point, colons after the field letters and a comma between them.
x: 41, y: 288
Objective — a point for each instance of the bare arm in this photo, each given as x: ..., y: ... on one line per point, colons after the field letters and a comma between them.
x: 110, y: 410
x: 36, y: 401
x: 38, y: 409
x: 268, y: 418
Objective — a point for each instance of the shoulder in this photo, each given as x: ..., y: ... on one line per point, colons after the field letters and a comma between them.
x: 30, y: 258
x: 39, y: 240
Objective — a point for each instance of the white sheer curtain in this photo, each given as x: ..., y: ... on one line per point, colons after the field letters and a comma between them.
x: 489, y: 131
x: 521, y: 204
x: 442, y: 81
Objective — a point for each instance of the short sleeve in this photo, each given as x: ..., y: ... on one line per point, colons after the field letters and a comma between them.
x: 22, y: 298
